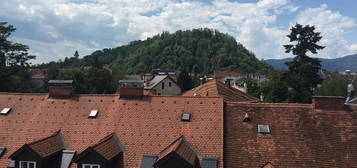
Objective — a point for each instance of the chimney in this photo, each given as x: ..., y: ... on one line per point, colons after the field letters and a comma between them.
x: 131, y: 89
x: 60, y: 88
x: 147, y: 77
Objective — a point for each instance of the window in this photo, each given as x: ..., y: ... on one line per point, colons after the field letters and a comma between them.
x: 27, y: 164
x: 90, y: 166
x: 263, y: 129
x: 93, y: 114
x: 186, y: 117
x: 162, y: 85
x: 5, y: 111
x: 170, y: 84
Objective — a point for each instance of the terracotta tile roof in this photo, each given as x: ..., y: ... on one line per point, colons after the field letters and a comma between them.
x: 108, y: 147
x: 216, y: 88
x: 183, y: 149
x: 49, y: 145
x: 312, y: 135
x: 144, y: 126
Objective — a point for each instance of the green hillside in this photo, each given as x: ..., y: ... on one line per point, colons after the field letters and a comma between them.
x: 200, y: 51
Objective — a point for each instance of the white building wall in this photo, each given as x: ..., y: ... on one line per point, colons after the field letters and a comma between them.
x: 174, y: 89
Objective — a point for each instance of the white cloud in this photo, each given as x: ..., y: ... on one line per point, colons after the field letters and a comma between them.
x: 332, y: 26
x: 56, y: 28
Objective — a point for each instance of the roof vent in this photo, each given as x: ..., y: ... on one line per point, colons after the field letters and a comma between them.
x: 5, y: 111
x: 93, y: 114
x: 2, y: 151
x: 186, y: 117
x: 246, y: 118
x: 263, y: 129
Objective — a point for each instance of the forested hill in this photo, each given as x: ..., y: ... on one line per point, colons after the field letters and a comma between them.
x: 200, y: 51
x: 337, y: 64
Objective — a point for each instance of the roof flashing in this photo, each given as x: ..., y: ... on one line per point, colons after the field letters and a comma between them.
x: 5, y: 111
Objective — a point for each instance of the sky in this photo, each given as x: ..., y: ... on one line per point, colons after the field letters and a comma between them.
x: 55, y: 29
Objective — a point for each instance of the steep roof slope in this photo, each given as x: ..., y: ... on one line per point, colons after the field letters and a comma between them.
x: 144, y: 126
x: 301, y: 135
x: 216, y: 88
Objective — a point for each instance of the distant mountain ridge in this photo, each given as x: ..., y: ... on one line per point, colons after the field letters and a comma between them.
x: 337, y: 64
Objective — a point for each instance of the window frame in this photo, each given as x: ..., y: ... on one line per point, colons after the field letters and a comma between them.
x: 27, y: 163
x: 163, y: 85
x: 91, y: 165
x: 170, y: 84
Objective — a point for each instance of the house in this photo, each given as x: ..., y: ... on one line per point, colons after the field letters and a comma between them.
x: 237, y: 79
x: 211, y: 126
x: 162, y: 85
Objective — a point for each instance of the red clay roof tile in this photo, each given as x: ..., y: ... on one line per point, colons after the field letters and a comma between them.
x: 144, y: 126
x: 216, y: 88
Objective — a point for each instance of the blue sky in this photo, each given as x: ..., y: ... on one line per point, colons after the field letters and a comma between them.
x: 54, y: 29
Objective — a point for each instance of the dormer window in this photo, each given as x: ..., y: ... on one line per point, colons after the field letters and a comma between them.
x: 90, y: 166
x: 27, y: 164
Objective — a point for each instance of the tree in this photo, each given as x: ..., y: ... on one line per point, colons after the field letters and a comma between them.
x: 14, y: 61
x: 303, y: 72
x: 12, y: 54
x: 184, y: 81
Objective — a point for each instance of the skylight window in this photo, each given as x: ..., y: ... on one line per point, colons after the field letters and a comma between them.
x: 186, y: 117
x: 263, y: 129
x: 5, y: 111
x: 93, y: 114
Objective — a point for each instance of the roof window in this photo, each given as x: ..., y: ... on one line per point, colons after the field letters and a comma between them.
x: 93, y: 114
x: 5, y: 111
x: 186, y: 117
x: 263, y: 129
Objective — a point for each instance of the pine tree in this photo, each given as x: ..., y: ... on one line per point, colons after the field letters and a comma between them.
x: 303, y: 73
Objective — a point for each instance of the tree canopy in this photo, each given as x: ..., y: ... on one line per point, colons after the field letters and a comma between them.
x: 200, y: 51
x: 14, y: 63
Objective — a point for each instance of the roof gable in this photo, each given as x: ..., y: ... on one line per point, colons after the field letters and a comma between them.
x: 216, y: 88
x: 157, y: 79
x: 182, y: 148
x: 44, y: 147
